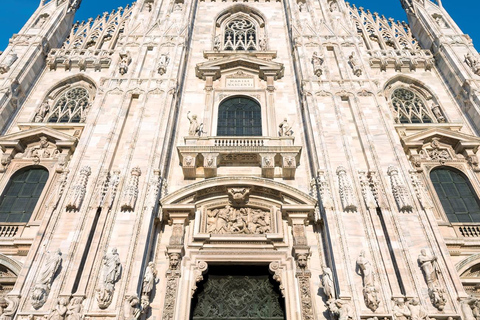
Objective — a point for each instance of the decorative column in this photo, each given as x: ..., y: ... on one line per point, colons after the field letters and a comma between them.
x: 175, y: 252
x: 301, y: 252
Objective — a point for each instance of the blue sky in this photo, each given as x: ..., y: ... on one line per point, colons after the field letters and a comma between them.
x: 15, y: 13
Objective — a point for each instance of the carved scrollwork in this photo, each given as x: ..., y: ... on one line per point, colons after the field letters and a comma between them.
x: 276, y: 269
x: 200, y: 269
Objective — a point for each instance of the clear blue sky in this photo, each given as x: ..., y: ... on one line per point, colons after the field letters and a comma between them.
x: 15, y: 13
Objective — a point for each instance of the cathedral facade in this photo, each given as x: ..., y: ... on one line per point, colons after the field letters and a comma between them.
x: 255, y: 159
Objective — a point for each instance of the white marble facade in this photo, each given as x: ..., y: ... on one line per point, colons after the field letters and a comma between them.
x: 333, y: 193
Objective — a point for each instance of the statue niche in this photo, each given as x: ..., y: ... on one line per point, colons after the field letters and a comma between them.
x: 238, y: 220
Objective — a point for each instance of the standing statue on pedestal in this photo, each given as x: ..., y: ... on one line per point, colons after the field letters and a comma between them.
x: 367, y: 272
x: 327, y: 283
x: 163, y: 63
x: 47, y: 275
x: 431, y: 272
x: 112, y: 269
x: 284, y: 129
x: 194, y: 129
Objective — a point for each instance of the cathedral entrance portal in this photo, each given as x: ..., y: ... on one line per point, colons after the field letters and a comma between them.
x: 238, y: 292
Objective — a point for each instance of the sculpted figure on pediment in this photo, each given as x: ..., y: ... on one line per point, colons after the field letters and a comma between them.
x: 229, y: 220
x: 43, y: 150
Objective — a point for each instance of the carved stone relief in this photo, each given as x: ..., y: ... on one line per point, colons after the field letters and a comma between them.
x: 303, y: 275
x: 173, y: 275
x: 400, y: 192
x: 109, y: 188
x: 340, y: 309
x: 238, y: 196
x: 324, y: 190
x: 243, y: 220
x: 346, y: 190
x: 130, y: 194
x: 45, y: 278
x: 420, y: 190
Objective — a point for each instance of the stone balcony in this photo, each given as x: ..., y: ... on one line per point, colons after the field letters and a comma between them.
x: 271, y: 157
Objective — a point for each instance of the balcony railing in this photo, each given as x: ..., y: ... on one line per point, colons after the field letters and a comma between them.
x: 210, y: 153
x: 9, y: 231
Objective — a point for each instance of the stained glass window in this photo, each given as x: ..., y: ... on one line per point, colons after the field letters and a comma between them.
x: 239, y: 116
x: 410, y: 108
x: 21, y: 195
x: 233, y: 293
x: 457, y: 196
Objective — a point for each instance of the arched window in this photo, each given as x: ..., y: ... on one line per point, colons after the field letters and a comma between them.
x: 456, y: 194
x: 239, y: 116
x: 71, y: 106
x: 240, y: 34
x: 410, y: 108
x: 21, y: 195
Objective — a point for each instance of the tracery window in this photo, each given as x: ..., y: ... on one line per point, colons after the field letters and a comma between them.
x: 239, y: 116
x: 456, y: 194
x: 410, y: 108
x: 21, y: 195
x: 71, y: 106
x: 240, y: 34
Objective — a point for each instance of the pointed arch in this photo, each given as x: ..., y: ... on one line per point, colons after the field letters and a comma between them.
x: 240, y: 28
x: 412, y: 101
x: 68, y: 101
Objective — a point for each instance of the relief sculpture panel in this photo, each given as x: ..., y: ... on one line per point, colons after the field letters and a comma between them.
x: 238, y: 220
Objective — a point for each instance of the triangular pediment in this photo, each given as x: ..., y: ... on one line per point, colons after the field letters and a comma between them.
x: 248, y: 61
x: 457, y: 140
x: 20, y: 140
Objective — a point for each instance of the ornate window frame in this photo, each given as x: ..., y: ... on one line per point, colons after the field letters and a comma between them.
x: 239, y: 12
x: 40, y: 146
x: 258, y: 98
x: 44, y: 109
x: 439, y: 147
x: 430, y: 104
